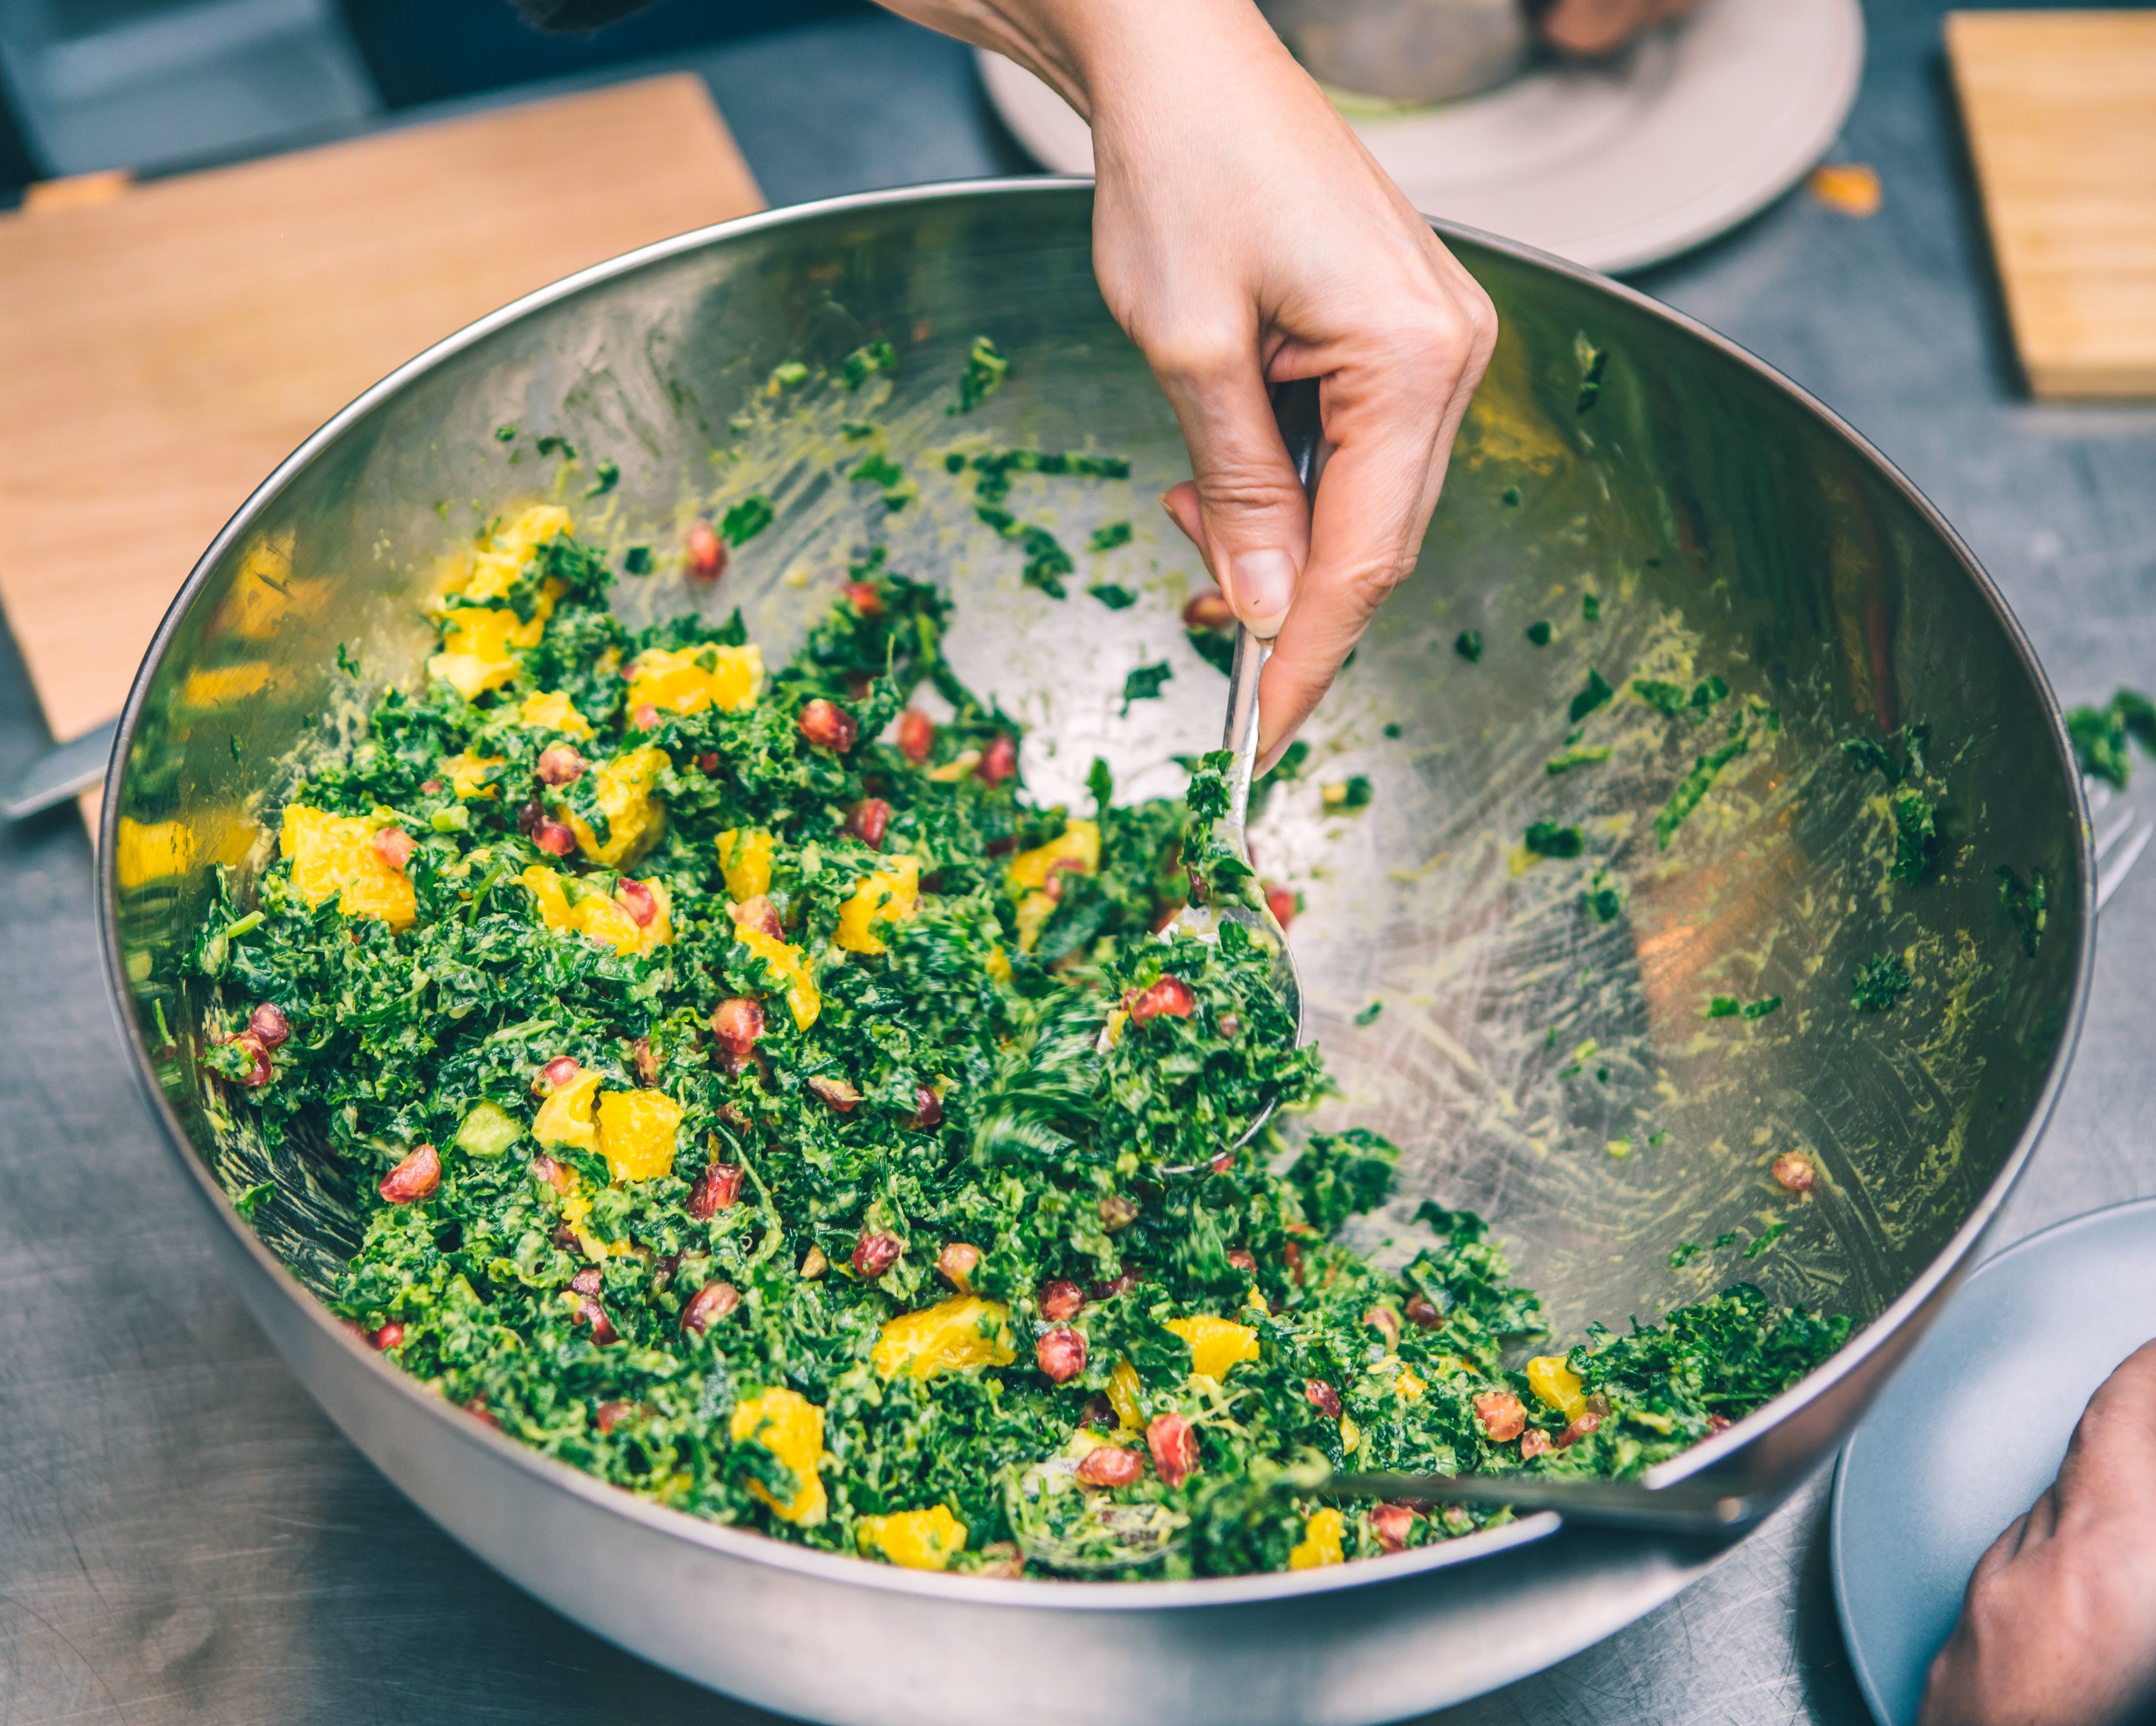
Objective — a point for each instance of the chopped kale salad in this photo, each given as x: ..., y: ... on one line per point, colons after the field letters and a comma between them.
x: 753, y: 1100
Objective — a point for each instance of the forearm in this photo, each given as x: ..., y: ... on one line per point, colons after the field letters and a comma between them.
x: 1091, y: 50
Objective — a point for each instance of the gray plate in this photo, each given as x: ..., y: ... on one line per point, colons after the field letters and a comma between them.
x: 1972, y: 1430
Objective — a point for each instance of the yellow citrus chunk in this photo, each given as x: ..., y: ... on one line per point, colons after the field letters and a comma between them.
x: 1077, y: 850
x: 336, y: 854
x: 150, y: 851
x: 891, y: 893
x: 791, y: 1427
x: 473, y: 775
x: 552, y: 710
x: 623, y: 790
x: 1407, y: 1386
x: 917, y: 1540
x: 785, y: 962
x: 568, y: 908
x: 745, y: 861
x: 1216, y: 1344
x: 477, y: 640
x: 1556, y: 1384
x: 727, y: 678
x: 1321, y: 1541
x: 565, y: 1118
x: 637, y: 1132
x: 997, y: 964
x: 949, y: 1337
x: 1123, y: 1393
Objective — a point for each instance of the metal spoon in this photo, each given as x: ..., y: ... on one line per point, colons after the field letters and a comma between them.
x: 1301, y: 429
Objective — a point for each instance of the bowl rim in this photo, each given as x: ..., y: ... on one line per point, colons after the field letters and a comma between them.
x: 1946, y: 1266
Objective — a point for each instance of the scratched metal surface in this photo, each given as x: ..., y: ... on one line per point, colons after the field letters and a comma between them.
x: 182, y: 1537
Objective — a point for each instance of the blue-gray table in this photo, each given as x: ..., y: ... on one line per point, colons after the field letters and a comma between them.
x: 184, y: 1537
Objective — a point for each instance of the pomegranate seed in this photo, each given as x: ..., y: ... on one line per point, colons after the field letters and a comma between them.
x: 528, y: 817
x: 927, y: 1108
x: 838, y: 1092
x: 645, y: 1062
x: 1281, y: 901
x: 1118, y: 1213
x: 1173, y: 1442
x: 707, y: 552
x: 1061, y: 1354
x: 757, y: 912
x: 1579, y: 1429
x: 1422, y: 1314
x: 646, y: 716
x: 1291, y: 1256
x: 866, y: 599
x: 478, y: 1409
x: 395, y: 847
x: 559, y: 1071
x: 1244, y: 1262
x: 1503, y: 1416
x: 1716, y: 1423
x: 1392, y: 1524
x: 1125, y: 1280
x: 1098, y: 1411
x: 608, y: 1415
x: 1228, y: 1024
x: 956, y: 1263
x: 260, y: 1070
x: 716, y: 1188
x: 389, y: 1335
x: 589, y: 1281
x: 867, y: 819
x: 638, y: 899
x: 1109, y: 1465
x: 590, y: 1312
x: 559, y: 764
x: 998, y: 761
x: 553, y: 1173
x: 1061, y: 1300
x: 874, y: 1254
x: 1386, y: 1322
x: 1795, y: 1171
x: 707, y: 1306
x: 269, y: 1025
x: 732, y: 1115
x: 737, y: 1024
x: 415, y: 1177
x: 1171, y: 995
x: 858, y: 683
x: 1533, y: 1443
x: 1209, y: 610
x: 431, y: 787
x: 552, y: 838
x: 708, y: 762
x: 1322, y: 1397
x: 564, y: 1236
x: 829, y: 726
x: 916, y: 735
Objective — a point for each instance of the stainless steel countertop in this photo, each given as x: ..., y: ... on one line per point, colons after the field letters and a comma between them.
x: 183, y: 1537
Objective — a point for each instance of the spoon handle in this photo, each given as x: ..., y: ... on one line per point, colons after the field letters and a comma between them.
x: 1296, y: 411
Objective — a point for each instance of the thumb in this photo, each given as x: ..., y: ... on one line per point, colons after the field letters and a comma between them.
x: 1253, y: 521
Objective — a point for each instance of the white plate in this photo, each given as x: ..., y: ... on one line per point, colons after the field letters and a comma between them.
x: 1613, y: 166
x: 1971, y: 1429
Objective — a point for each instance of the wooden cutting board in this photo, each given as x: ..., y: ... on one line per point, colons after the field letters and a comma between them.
x: 162, y: 351
x: 2060, y: 109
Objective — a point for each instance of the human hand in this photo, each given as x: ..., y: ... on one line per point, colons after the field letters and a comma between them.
x: 2058, y: 1627
x: 1595, y: 26
x: 1243, y: 236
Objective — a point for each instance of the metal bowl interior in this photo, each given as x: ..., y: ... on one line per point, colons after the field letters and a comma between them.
x: 1552, y: 1069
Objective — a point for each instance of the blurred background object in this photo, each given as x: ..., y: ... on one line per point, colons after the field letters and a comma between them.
x: 1405, y: 50
x: 156, y: 84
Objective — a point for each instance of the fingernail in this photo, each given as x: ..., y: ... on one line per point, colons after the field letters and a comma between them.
x: 1263, y: 585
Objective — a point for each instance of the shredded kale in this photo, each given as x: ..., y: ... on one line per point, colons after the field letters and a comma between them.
x: 1590, y: 360
x: 1143, y: 682
x: 1468, y: 645
x: 986, y: 369
x: 1108, y: 536
x: 2027, y: 904
x: 1539, y: 632
x: 1879, y: 984
x: 744, y: 520
x: 1547, y: 839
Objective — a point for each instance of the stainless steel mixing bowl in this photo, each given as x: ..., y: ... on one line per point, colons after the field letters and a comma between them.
x: 1553, y: 1070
